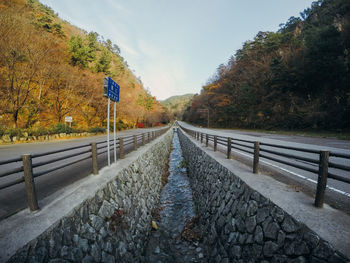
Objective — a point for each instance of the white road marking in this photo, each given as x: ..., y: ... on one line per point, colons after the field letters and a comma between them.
x: 298, y: 175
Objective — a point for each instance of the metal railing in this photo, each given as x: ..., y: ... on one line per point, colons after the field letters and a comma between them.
x: 316, y: 161
x: 26, y: 169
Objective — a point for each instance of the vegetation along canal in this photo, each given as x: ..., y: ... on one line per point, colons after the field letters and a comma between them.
x: 175, y: 237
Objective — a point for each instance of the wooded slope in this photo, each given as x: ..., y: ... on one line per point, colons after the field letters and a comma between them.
x: 295, y: 78
x: 176, y: 105
x: 50, y: 69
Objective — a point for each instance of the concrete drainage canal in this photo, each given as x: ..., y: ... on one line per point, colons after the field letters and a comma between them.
x: 175, y: 237
x: 134, y: 212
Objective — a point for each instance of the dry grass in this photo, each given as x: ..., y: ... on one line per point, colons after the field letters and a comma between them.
x: 189, y: 232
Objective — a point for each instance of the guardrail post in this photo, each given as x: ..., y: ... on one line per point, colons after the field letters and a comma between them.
x: 322, y: 178
x: 215, y: 143
x: 143, y: 139
x: 228, y: 148
x: 135, y: 143
x: 29, y: 182
x: 256, y: 157
x: 121, y: 148
x: 206, y: 140
x: 94, y: 158
x: 201, y: 137
x: 149, y: 137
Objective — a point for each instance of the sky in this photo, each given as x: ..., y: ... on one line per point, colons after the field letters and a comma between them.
x: 175, y: 46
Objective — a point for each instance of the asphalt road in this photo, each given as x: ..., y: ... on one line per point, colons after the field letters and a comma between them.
x: 337, y: 193
x: 13, y: 199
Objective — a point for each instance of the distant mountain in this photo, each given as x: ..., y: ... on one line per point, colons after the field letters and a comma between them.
x: 176, y: 105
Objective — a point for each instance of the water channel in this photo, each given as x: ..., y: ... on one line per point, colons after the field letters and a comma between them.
x: 176, y: 238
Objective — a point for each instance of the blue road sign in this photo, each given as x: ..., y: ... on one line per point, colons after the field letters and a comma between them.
x: 111, y: 89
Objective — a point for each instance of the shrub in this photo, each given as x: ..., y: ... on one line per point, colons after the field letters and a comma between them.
x: 38, y: 131
x: 14, y: 132
x: 97, y: 130
x: 2, y: 130
x: 61, y: 128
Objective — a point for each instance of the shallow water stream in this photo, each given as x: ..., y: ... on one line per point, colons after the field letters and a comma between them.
x: 176, y: 209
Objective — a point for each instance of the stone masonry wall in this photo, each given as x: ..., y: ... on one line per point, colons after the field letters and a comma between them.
x: 114, y: 225
x: 240, y: 225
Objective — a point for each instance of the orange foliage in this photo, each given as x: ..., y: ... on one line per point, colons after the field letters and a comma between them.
x: 38, y: 85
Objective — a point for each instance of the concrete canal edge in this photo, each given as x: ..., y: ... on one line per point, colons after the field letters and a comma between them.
x: 248, y: 217
x: 102, y: 218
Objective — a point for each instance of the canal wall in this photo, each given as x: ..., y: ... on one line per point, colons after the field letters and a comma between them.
x: 104, y: 218
x: 240, y: 224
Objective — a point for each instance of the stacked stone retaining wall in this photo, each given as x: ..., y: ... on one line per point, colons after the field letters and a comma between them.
x: 114, y: 225
x: 239, y: 224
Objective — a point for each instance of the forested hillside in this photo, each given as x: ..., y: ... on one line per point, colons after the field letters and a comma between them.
x: 295, y: 78
x: 176, y: 105
x: 50, y: 69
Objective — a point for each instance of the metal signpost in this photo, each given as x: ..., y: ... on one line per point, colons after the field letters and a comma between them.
x: 111, y: 91
x: 68, y: 119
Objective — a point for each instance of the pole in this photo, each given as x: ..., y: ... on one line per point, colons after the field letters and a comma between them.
x: 135, y: 142
x: 322, y: 178
x: 256, y: 157
x: 208, y: 117
x: 121, y: 148
x: 228, y: 148
x: 108, y: 150
x: 114, y: 133
x: 94, y: 158
x: 29, y: 182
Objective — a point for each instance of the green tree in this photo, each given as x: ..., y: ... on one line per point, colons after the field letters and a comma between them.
x: 104, y: 61
x: 81, y: 54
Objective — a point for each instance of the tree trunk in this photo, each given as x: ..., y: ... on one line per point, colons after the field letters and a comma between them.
x: 15, y: 119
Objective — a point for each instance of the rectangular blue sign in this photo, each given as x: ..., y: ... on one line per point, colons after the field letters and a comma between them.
x: 111, y: 89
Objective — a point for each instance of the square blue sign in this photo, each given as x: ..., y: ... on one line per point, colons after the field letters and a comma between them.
x: 111, y: 89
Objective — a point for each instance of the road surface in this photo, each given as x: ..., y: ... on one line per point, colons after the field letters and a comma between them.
x: 337, y: 193
x: 13, y: 199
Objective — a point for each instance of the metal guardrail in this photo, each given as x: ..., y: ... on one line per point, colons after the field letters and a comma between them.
x: 87, y: 151
x: 275, y: 153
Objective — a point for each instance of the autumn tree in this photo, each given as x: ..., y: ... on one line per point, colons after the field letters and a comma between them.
x: 23, y: 54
